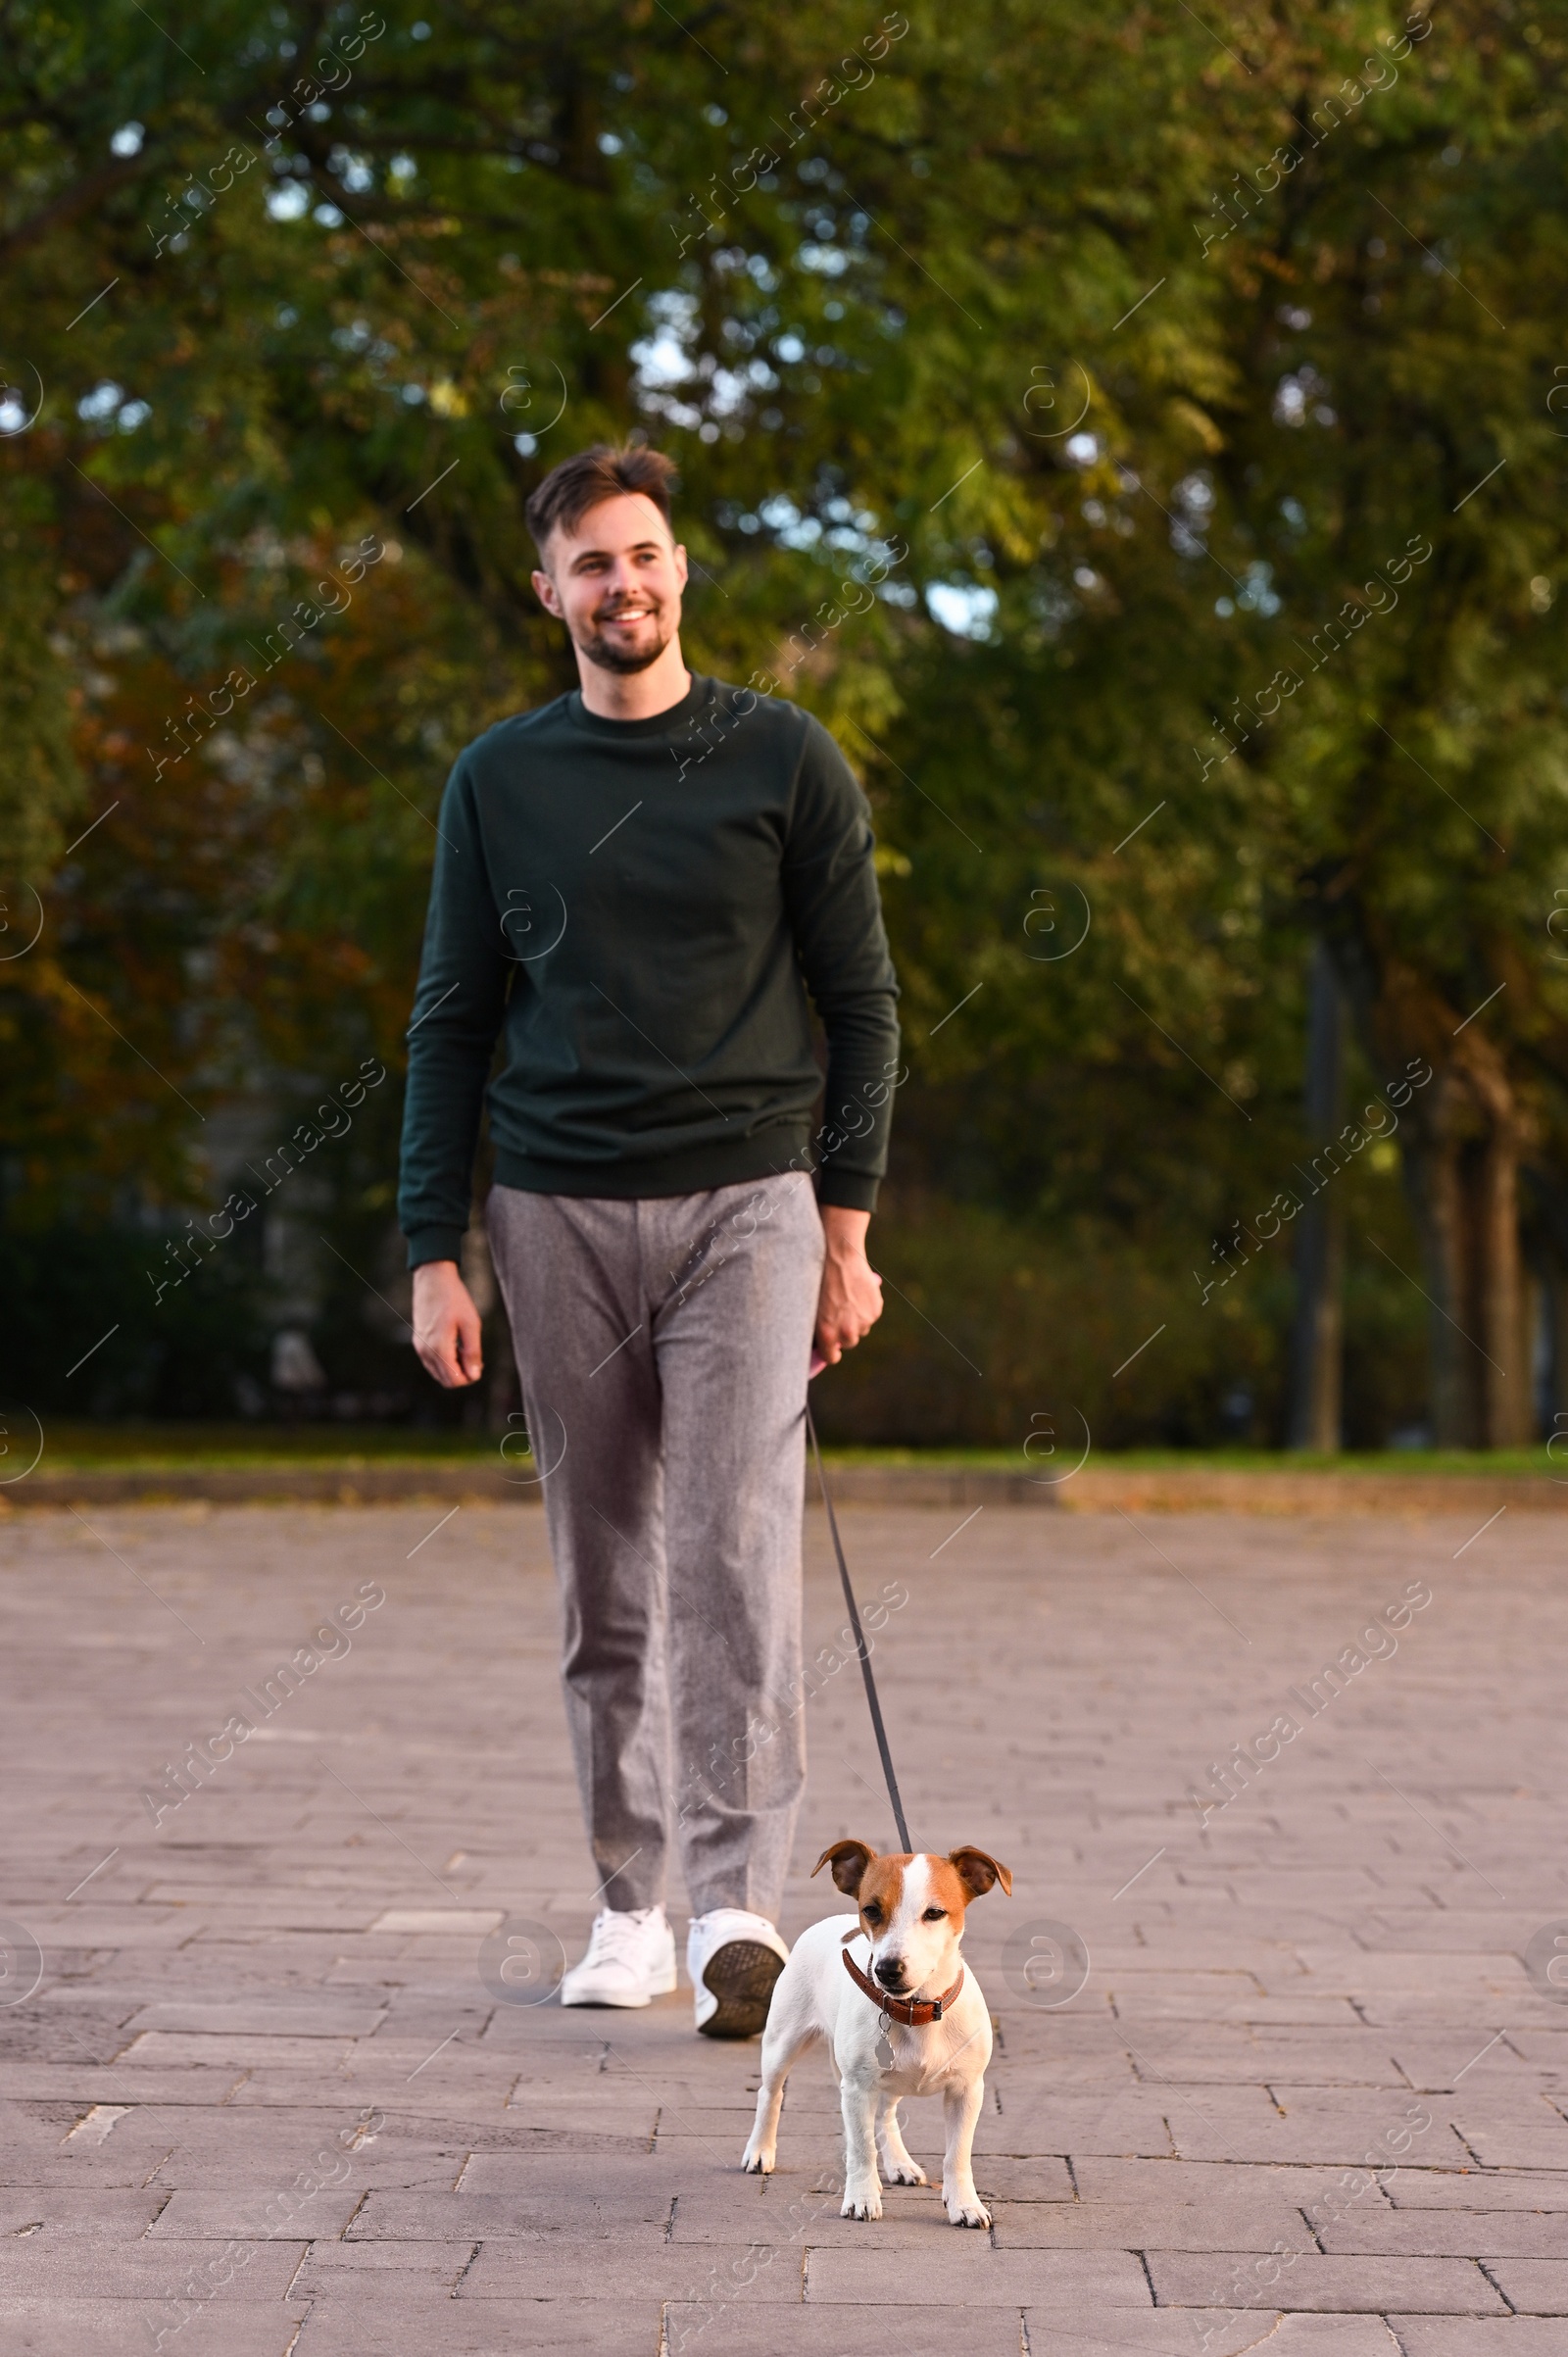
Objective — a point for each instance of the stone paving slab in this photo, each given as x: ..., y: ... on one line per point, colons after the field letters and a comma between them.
x: 1478, y: 2336
x: 1479, y: 2189
x: 980, y: 2276
x: 1534, y: 2286
x: 306, y: 2015
x: 818, y: 2328
x: 261, y: 2044
x: 69, y: 2328
x: 117, y: 2214
x: 1308, y: 2279
x: 1127, y: 2226
x: 1460, y: 2234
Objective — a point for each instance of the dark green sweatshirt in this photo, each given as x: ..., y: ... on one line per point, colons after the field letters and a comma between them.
x: 641, y: 906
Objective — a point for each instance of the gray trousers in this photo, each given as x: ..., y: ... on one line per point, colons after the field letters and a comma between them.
x: 662, y: 1346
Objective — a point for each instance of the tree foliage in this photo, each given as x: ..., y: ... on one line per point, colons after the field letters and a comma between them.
x: 1057, y: 395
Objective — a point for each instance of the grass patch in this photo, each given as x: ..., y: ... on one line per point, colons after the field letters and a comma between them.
x: 351, y: 1447
x: 135, y: 1447
x: 1229, y: 1460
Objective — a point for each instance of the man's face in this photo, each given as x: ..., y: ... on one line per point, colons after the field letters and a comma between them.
x: 615, y: 581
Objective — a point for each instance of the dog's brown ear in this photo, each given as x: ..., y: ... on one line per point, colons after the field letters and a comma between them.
x: 976, y: 1871
x: 850, y: 1860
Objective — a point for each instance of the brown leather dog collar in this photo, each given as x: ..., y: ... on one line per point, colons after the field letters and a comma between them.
x: 916, y: 2011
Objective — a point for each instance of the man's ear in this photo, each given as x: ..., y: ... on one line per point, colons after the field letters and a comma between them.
x: 850, y: 1860
x: 977, y: 1872
x: 544, y: 590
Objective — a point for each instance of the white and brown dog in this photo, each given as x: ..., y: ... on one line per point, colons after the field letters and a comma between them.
x: 915, y: 2024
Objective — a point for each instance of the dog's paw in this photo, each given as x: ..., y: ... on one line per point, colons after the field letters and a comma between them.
x: 861, y: 2202
x: 907, y: 2173
x: 757, y: 2161
x: 966, y: 2211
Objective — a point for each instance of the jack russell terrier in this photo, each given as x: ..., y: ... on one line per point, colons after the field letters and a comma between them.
x: 916, y: 2025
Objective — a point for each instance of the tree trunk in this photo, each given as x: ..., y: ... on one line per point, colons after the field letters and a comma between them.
x: 1463, y: 1130
x: 1462, y: 1160
x: 1555, y: 1406
x: 1437, y: 1197
x: 1317, y: 1334
x: 1505, y: 1374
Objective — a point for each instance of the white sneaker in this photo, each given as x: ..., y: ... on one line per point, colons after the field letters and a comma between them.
x: 630, y: 1960
x: 732, y: 1961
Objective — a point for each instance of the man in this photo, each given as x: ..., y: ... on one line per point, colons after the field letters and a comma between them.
x: 635, y: 888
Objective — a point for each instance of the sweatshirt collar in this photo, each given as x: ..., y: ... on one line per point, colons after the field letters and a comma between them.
x: 657, y: 724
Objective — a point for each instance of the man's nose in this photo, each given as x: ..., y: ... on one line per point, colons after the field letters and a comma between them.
x: 890, y: 1971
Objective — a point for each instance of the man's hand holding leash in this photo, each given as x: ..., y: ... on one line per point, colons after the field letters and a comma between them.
x: 851, y: 1300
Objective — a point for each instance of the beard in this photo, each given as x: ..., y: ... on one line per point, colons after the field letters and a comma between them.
x: 614, y: 655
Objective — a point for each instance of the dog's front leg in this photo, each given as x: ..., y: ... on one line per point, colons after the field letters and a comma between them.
x: 961, y: 2110
x: 862, y: 2190
x: 899, y: 2165
x: 761, y: 2148
x: 784, y: 2042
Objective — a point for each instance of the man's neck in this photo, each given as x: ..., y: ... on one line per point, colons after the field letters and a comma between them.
x: 636, y: 695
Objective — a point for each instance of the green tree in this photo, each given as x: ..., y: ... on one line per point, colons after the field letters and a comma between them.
x: 343, y: 274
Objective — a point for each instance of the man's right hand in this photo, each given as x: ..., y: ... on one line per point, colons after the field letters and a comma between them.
x: 446, y: 1325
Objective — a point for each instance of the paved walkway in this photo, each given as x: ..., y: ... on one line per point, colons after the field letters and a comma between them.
x: 262, y: 2099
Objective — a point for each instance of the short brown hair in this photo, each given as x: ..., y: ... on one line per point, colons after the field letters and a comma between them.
x: 570, y: 490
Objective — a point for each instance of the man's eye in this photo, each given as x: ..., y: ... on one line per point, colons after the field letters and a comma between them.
x: 934, y: 1915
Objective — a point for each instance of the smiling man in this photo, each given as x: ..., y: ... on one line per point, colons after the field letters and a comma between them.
x: 640, y: 889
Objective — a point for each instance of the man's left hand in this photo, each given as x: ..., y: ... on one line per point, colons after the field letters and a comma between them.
x: 851, y: 1300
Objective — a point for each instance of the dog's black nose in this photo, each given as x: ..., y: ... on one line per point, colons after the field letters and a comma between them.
x: 890, y: 1971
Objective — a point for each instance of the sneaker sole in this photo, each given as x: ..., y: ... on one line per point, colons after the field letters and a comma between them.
x: 741, y: 1975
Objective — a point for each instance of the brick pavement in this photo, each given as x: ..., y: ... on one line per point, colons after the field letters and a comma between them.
x: 262, y: 2100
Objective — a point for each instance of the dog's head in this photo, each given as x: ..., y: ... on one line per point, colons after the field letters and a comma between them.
x: 912, y: 1909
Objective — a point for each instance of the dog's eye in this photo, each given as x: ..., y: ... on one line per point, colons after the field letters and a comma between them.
x: 934, y: 1915
x: 872, y: 1912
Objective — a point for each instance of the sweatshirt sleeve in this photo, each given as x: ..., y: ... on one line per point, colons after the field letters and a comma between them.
x: 457, y: 1011
x: 835, y: 915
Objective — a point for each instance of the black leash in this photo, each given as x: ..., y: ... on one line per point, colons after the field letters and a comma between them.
x: 859, y: 1639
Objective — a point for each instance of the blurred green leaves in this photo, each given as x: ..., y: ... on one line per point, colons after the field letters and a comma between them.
x: 1029, y: 294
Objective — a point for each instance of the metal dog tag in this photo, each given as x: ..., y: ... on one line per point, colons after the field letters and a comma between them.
x: 884, y: 2043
